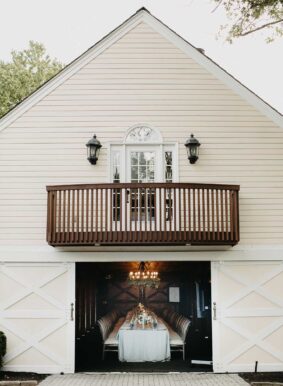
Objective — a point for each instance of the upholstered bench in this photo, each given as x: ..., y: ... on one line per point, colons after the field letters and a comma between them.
x: 109, y: 326
x: 178, y: 327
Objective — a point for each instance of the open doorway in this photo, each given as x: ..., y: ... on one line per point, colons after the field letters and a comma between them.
x: 184, y: 292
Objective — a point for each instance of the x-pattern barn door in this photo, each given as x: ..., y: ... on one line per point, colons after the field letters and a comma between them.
x: 247, y: 316
x: 36, y: 316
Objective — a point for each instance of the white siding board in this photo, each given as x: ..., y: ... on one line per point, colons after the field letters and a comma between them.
x: 141, y: 78
x: 92, y: 108
x: 159, y: 92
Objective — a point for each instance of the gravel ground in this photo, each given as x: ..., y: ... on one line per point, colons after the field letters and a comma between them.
x: 15, y: 376
x: 248, y: 377
x: 262, y: 377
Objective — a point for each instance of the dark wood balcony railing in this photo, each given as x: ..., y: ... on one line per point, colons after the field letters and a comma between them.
x: 143, y: 214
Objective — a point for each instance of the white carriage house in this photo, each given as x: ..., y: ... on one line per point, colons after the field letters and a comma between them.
x: 153, y: 253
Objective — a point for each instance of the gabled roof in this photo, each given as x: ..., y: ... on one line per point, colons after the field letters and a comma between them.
x: 143, y: 15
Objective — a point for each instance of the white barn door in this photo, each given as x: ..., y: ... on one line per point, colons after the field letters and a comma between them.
x: 247, y: 316
x: 37, y: 317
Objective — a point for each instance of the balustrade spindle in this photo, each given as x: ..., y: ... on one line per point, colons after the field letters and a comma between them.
x: 226, y: 214
x: 175, y: 213
x: 189, y: 214
x: 222, y: 215
x: 179, y: 234
x: 213, y: 215
x: 236, y: 214
x: 194, y: 214
x: 136, y: 207
x: 87, y: 217
x: 68, y: 215
x: 170, y: 212
x: 82, y: 210
x: 208, y: 213
x: 91, y: 215
x: 199, y: 215
x: 203, y: 216
x: 64, y: 216
x: 106, y: 214
x: 218, y: 209
x: 186, y: 214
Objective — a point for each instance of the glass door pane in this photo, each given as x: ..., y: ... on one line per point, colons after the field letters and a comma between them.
x: 142, y: 165
x: 142, y: 170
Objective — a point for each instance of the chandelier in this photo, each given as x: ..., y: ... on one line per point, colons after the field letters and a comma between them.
x: 144, y: 277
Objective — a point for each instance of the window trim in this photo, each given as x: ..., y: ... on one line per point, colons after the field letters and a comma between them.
x: 123, y: 148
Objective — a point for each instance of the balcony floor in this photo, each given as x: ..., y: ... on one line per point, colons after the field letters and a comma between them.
x: 142, y: 238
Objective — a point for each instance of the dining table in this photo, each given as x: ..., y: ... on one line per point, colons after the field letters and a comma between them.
x: 138, y: 343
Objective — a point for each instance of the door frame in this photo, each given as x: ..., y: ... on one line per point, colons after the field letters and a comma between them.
x: 170, y: 283
x: 214, y: 269
x: 160, y: 148
x: 71, y: 332
x: 158, y: 172
x: 122, y: 149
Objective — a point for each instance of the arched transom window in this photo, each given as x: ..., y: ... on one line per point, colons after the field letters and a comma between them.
x: 143, y: 134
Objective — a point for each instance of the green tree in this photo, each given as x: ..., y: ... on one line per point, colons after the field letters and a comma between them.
x: 249, y: 16
x: 27, y: 70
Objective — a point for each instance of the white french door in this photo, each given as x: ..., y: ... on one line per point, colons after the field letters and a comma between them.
x: 143, y: 164
x: 137, y: 208
x: 142, y: 167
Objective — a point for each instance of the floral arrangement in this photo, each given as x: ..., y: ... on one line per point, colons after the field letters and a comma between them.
x: 143, y: 318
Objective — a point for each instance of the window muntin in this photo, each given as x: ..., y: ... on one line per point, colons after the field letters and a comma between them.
x: 142, y: 164
x: 168, y: 166
x: 116, y: 178
x: 116, y: 166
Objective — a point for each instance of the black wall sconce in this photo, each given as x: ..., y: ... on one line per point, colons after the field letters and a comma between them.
x: 192, y: 146
x: 93, y: 149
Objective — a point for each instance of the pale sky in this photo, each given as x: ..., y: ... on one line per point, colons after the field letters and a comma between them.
x: 69, y: 27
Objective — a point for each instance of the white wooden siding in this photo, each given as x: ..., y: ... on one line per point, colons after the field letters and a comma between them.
x: 141, y: 78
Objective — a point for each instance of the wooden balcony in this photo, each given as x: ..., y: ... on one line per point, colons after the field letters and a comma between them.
x: 143, y: 214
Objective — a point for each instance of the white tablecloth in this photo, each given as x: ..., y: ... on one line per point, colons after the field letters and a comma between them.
x: 137, y: 345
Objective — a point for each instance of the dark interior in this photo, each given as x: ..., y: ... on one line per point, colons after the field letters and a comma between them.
x: 102, y: 287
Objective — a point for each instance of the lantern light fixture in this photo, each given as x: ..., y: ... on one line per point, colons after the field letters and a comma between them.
x: 192, y: 146
x: 93, y: 149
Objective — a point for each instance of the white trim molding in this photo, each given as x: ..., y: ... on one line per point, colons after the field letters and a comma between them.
x: 47, y: 254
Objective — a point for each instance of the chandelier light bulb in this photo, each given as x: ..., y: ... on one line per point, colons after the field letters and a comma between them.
x: 144, y: 277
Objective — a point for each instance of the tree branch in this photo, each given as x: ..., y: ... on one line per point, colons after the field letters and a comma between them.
x: 261, y: 27
x: 218, y: 5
